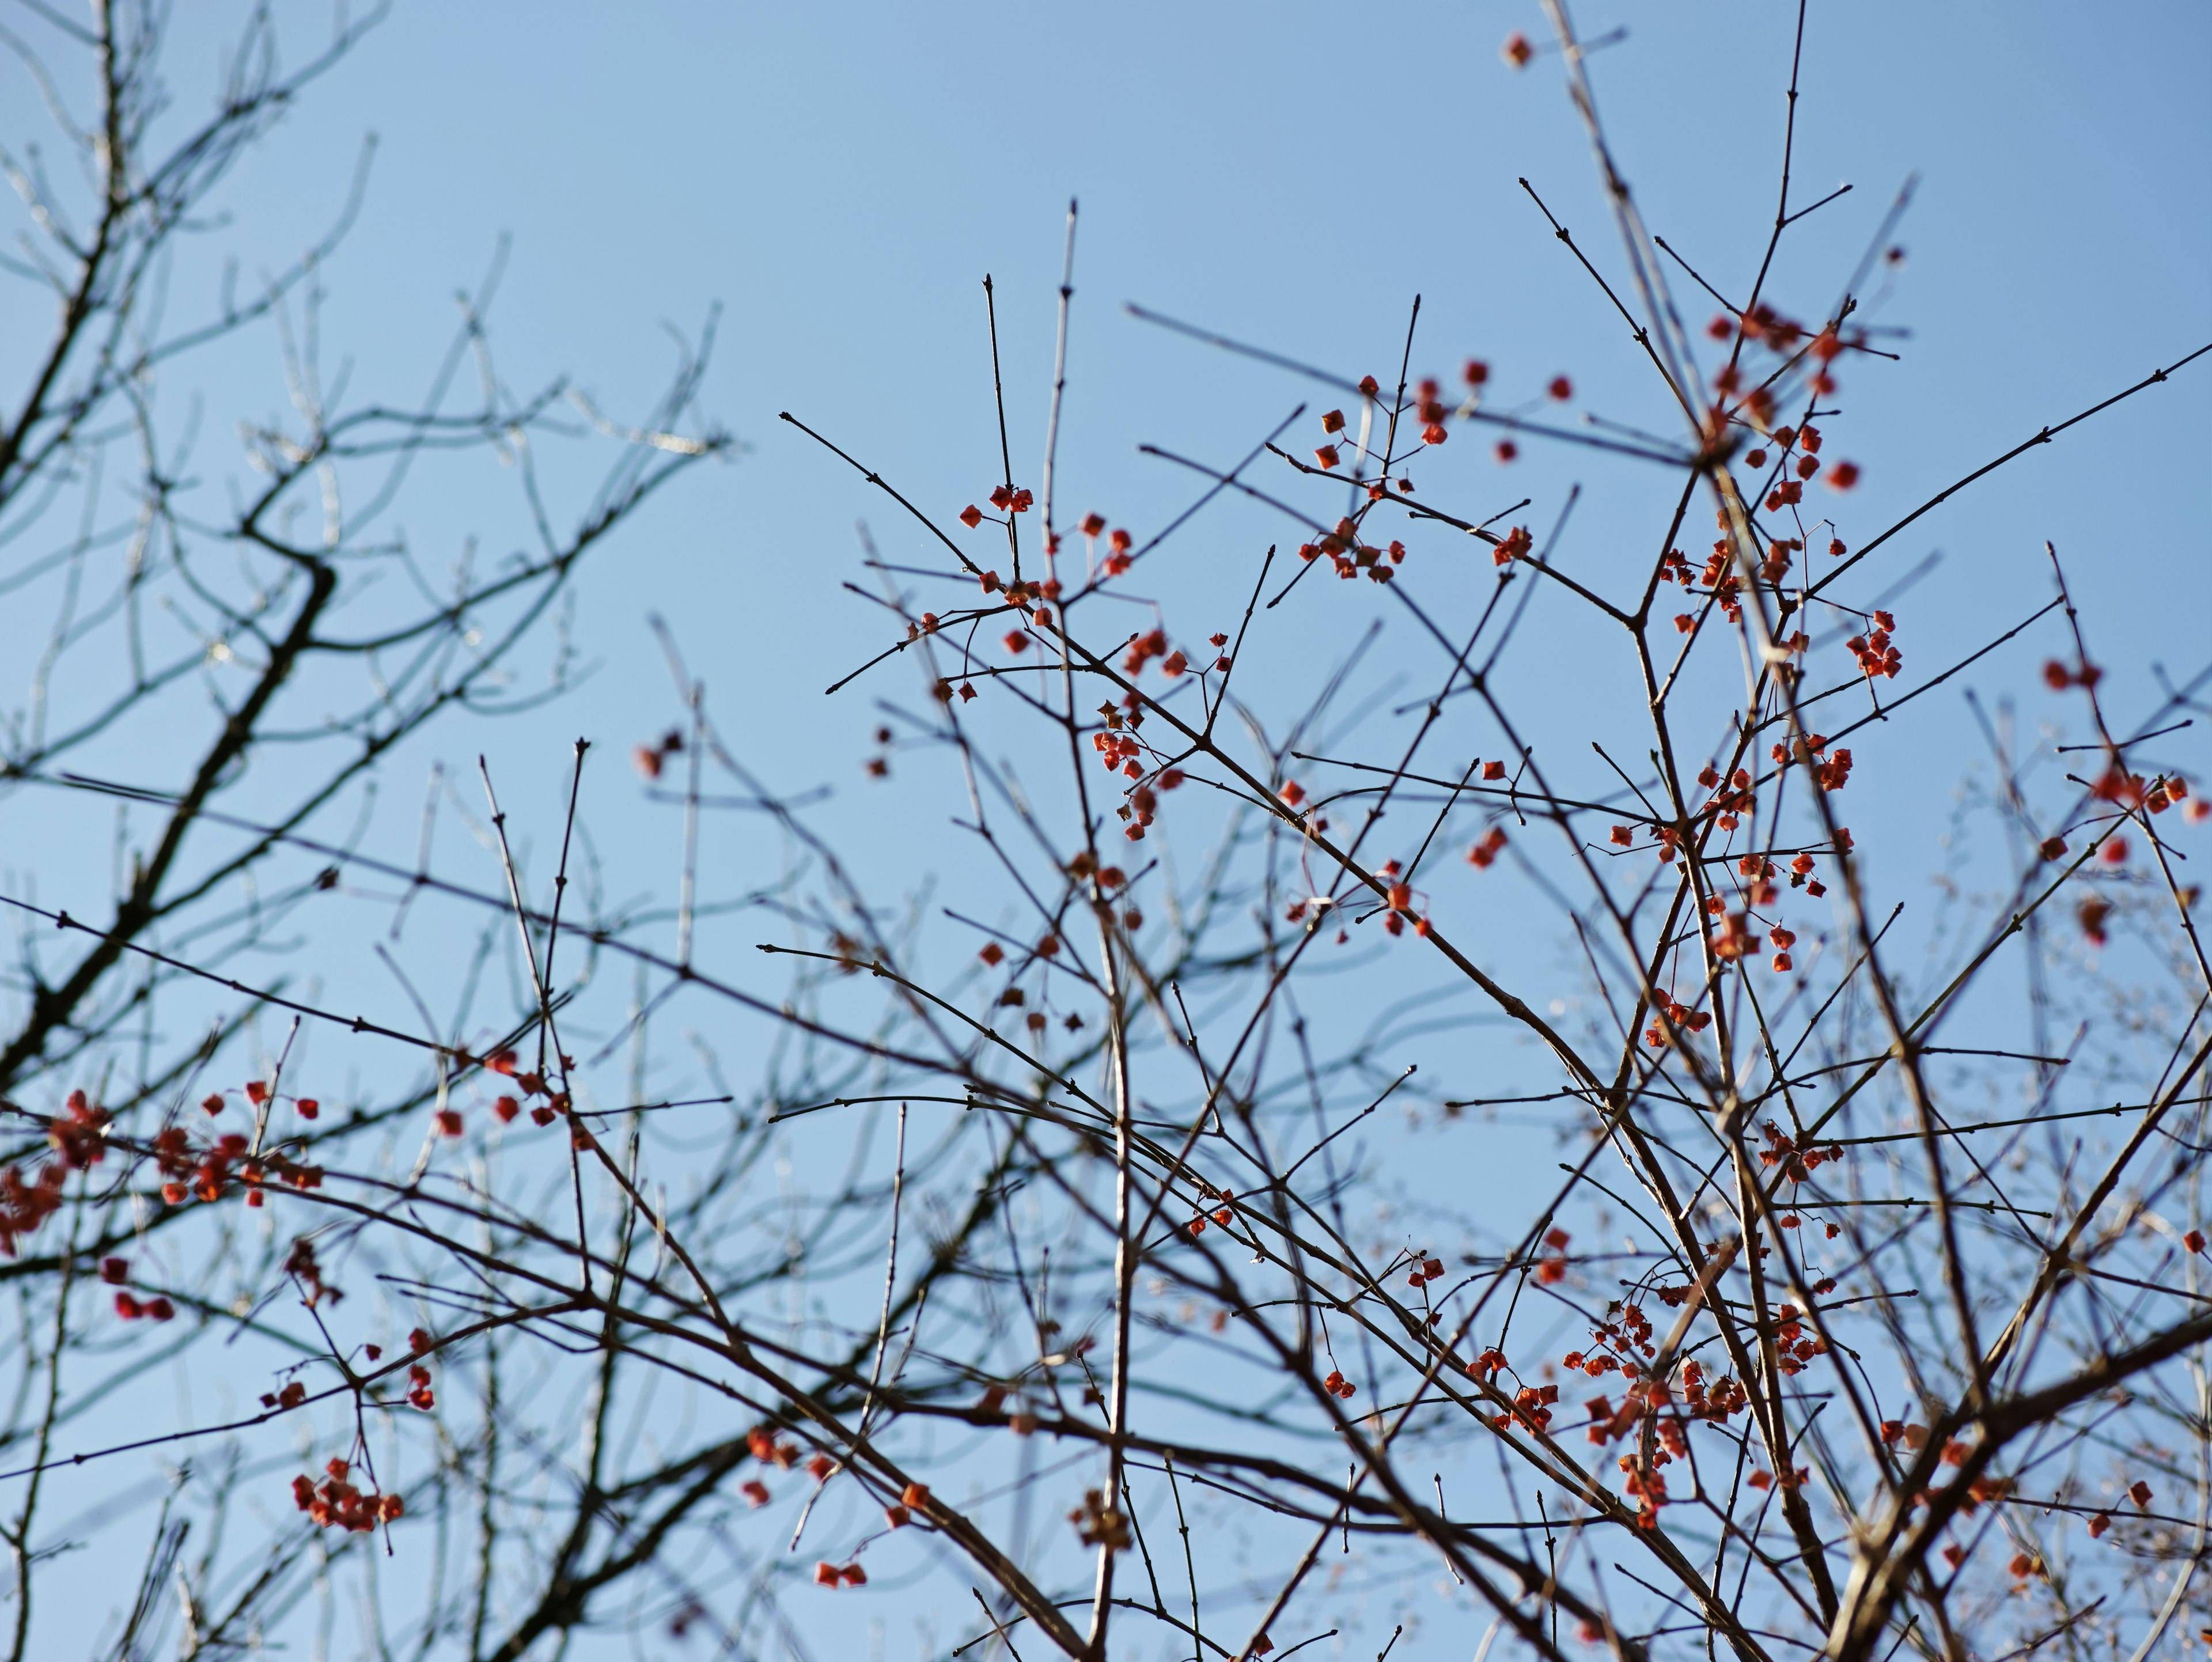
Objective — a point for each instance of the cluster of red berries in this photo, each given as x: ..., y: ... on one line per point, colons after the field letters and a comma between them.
x: 1350, y: 556
x: 1531, y: 1409
x: 1681, y: 1016
x: 505, y: 1109
x: 1774, y: 568
x: 2116, y: 784
x: 1487, y: 1365
x: 1731, y: 935
x: 25, y: 1206
x: 78, y: 1136
x: 763, y: 1444
x: 419, y: 1343
x: 1763, y: 324
x: 2058, y: 676
x: 1793, y: 1347
x: 155, y: 1309
x: 1118, y: 557
x: 1148, y: 646
x: 1399, y: 906
x: 914, y: 1498
x: 1617, y: 1345
x: 208, y: 1171
x: 1117, y: 747
x: 1797, y: 1162
x: 1006, y: 498
x: 1876, y: 654
x: 1765, y: 327
x: 1222, y: 1214
x: 1652, y: 1398
x: 1731, y: 798
x: 337, y: 1504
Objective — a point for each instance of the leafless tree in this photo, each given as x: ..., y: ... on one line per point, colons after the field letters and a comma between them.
x: 1034, y: 1263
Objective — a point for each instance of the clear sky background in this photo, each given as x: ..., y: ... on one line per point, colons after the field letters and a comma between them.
x: 837, y: 179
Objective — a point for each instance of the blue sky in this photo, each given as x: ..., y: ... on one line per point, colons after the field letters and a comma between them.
x: 838, y: 178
